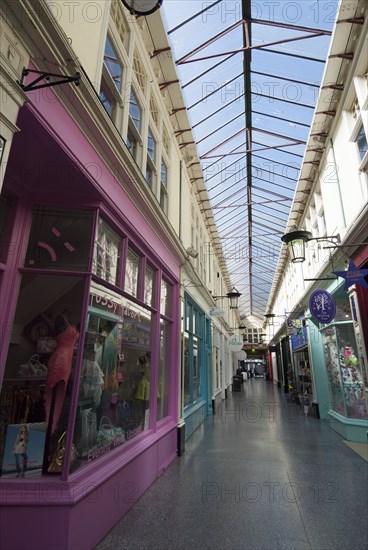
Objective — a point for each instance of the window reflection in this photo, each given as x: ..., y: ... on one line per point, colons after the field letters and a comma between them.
x: 115, y: 388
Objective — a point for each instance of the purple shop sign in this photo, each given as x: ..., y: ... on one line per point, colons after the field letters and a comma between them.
x: 322, y: 306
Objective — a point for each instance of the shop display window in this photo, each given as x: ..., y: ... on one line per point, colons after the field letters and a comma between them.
x: 116, y: 378
x: 303, y: 373
x: 35, y: 398
x: 194, y: 355
x: 186, y: 365
x: 345, y: 378
x: 163, y: 372
x: 121, y: 389
x: 60, y: 239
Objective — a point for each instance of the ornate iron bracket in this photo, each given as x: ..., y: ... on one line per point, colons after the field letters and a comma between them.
x: 61, y: 79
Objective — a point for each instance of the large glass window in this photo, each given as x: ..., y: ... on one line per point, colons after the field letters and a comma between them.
x: 194, y: 355
x: 163, y: 372
x: 35, y: 399
x: 115, y: 388
x: 60, y: 239
x: 346, y: 383
x: 186, y: 360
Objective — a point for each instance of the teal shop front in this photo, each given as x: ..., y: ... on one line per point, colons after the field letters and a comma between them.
x: 340, y: 368
x: 197, y: 365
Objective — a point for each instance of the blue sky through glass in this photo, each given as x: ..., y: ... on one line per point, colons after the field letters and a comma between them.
x: 284, y: 86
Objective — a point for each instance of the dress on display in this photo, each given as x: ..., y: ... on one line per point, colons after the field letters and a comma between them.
x: 58, y: 372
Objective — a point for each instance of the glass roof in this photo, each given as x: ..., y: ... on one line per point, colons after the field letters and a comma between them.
x: 250, y: 72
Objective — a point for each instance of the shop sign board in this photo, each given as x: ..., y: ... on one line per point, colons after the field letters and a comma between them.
x: 235, y: 343
x: 322, y: 306
x: 217, y: 312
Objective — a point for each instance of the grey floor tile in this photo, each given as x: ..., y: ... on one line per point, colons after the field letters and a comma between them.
x: 256, y: 476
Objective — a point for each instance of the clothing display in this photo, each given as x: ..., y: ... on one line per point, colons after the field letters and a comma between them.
x: 143, y: 389
x: 59, y: 368
x: 92, y: 381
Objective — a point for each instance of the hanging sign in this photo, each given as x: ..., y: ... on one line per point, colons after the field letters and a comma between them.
x: 353, y: 276
x: 322, y: 306
x: 294, y: 327
x: 217, y: 312
x: 241, y: 355
x: 235, y: 343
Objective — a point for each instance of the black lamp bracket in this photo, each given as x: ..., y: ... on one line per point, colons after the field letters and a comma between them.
x: 334, y: 240
x: 60, y: 79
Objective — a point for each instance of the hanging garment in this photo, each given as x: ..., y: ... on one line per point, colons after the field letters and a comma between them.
x: 143, y: 389
x: 58, y: 372
x: 92, y: 381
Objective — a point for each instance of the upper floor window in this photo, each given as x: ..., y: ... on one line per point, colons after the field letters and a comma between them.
x: 361, y: 142
x: 163, y: 188
x: 117, y: 15
x: 107, y: 98
x: 165, y: 140
x: 151, y: 159
x: 154, y: 109
x: 113, y: 64
x: 151, y: 146
x: 139, y: 71
x: 132, y: 143
x: 135, y: 111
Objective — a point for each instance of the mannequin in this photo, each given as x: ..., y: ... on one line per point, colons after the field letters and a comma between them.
x: 60, y: 366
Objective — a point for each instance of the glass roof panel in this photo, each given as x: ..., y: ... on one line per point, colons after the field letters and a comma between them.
x: 250, y: 73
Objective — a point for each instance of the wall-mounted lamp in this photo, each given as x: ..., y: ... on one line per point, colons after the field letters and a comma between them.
x: 270, y: 318
x: 296, y: 240
x: 233, y: 296
x: 191, y: 252
x: 142, y: 7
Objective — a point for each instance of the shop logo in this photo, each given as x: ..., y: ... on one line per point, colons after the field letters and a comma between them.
x: 353, y: 276
x: 322, y: 306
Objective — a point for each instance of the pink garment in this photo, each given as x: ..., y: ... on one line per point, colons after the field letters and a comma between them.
x: 58, y: 372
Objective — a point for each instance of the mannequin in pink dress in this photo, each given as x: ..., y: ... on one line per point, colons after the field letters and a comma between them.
x: 59, y: 367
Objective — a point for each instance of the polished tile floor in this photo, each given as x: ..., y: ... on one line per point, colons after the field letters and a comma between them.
x: 258, y: 475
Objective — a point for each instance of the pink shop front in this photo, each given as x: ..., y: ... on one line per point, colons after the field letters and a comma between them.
x: 89, y: 356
